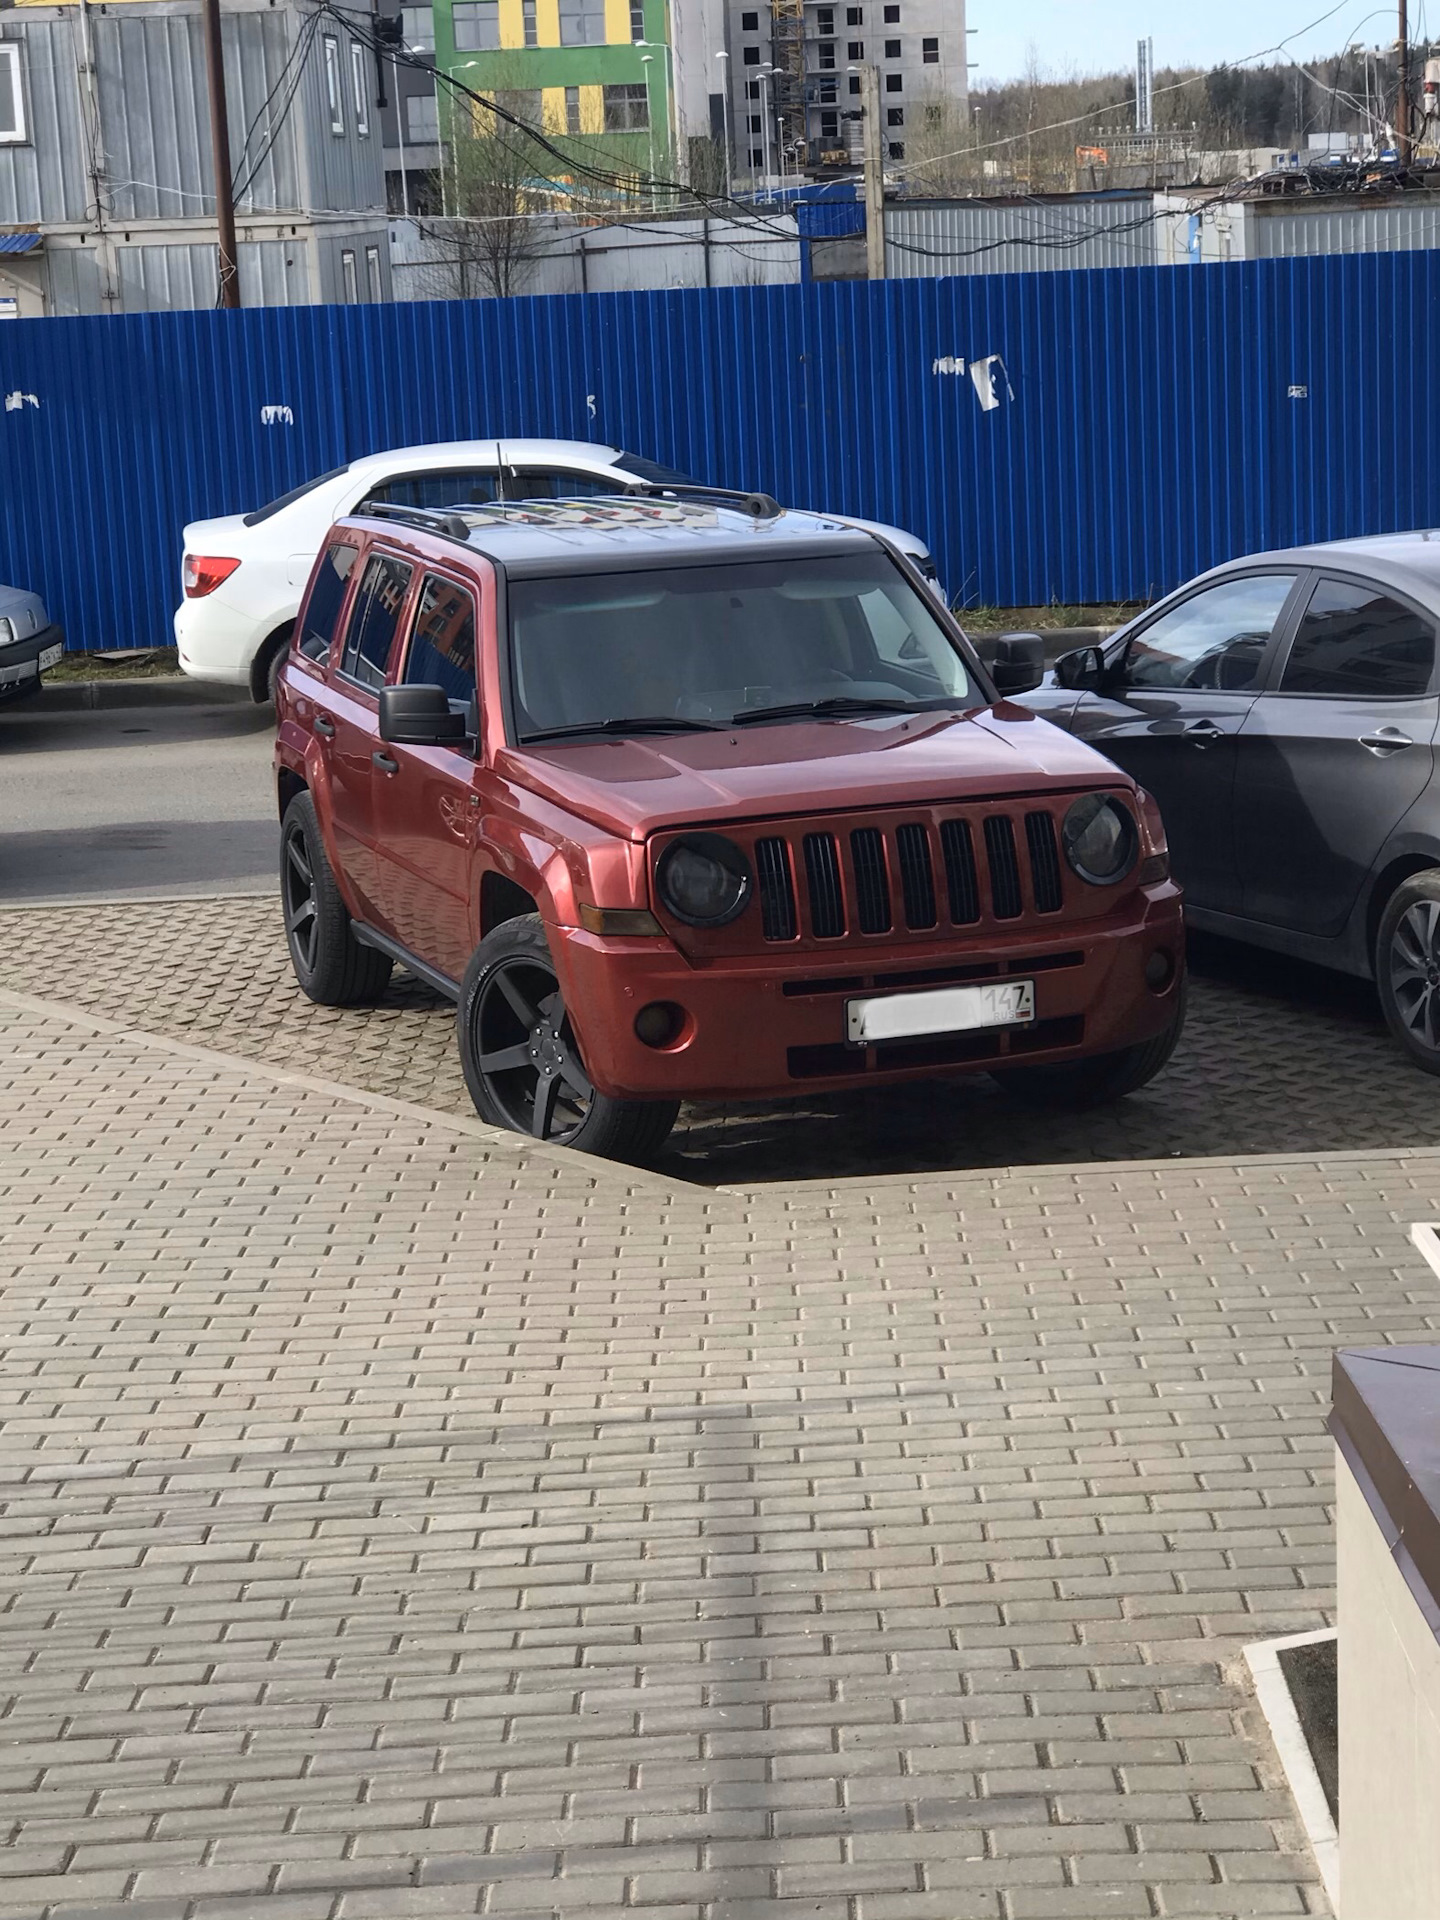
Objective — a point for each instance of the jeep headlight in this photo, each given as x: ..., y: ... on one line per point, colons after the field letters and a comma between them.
x: 1100, y: 838
x: 703, y: 879
x: 7, y: 633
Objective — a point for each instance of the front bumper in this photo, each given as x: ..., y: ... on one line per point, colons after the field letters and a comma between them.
x: 20, y: 662
x: 766, y: 1026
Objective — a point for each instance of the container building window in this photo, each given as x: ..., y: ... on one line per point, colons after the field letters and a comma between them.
x: 13, y: 131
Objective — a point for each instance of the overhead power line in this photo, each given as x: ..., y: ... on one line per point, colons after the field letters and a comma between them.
x: 1096, y: 113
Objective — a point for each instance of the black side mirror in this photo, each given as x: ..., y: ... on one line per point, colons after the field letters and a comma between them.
x: 1082, y: 670
x: 419, y: 717
x: 1019, y: 664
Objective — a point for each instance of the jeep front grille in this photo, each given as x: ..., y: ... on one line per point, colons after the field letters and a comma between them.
x: 777, y: 893
x: 871, y: 880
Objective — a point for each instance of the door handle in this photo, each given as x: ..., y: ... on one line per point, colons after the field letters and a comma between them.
x: 385, y: 763
x: 1203, y: 733
x: 324, y: 726
x: 1387, y: 740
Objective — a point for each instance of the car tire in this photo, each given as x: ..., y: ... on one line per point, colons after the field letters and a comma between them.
x: 332, y: 967
x: 1097, y: 1081
x: 265, y: 673
x: 1407, y: 967
x: 522, y: 1062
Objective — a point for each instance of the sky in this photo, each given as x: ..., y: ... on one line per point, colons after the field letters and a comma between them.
x: 1090, y: 36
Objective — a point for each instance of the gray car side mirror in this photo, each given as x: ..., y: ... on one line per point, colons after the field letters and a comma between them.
x: 1082, y: 670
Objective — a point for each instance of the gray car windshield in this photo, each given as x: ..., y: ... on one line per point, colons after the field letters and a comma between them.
x: 727, y: 645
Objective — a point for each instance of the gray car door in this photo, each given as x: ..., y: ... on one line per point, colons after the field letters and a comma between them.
x: 1172, y: 706
x: 1332, y: 759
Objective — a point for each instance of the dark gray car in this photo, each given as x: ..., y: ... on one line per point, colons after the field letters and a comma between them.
x: 1283, y: 711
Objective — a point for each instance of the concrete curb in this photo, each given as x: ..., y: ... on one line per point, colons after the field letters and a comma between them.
x: 509, y: 1150
x: 69, y: 696
x: 1293, y: 1751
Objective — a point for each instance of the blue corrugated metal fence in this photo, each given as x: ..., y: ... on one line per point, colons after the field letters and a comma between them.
x: 1149, y: 422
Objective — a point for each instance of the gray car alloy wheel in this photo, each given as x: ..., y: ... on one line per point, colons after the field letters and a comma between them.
x: 1414, y: 964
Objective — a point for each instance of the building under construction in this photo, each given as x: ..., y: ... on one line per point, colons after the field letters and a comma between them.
x: 795, y: 92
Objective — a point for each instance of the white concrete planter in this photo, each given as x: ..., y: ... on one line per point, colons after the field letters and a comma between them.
x: 1387, y: 1429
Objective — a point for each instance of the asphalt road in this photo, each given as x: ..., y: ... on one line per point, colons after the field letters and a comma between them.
x: 135, y: 803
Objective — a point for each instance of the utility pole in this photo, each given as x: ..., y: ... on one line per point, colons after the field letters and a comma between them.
x: 874, y: 171
x: 1402, y: 101
x: 95, y: 142
x: 220, y: 149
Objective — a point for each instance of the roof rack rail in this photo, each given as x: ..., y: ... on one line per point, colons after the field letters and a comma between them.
x: 760, y: 506
x: 433, y: 519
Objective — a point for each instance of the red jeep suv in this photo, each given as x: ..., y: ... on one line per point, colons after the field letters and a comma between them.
x: 691, y: 796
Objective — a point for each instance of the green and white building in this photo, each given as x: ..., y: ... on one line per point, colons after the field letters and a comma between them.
x: 636, y: 80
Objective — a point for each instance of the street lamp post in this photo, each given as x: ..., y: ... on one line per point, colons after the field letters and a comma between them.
x: 646, y: 60
x: 724, y: 60
x: 763, y: 74
x: 400, y: 116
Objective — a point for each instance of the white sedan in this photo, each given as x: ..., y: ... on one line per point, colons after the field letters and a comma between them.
x: 244, y: 574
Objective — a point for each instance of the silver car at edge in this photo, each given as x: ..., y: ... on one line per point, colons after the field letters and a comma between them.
x: 29, y: 642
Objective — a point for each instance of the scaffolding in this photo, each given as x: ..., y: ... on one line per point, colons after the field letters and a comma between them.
x: 787, y: 39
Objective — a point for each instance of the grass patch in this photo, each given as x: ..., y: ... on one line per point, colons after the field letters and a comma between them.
x: 1028, y: 619
x: 149, y: 663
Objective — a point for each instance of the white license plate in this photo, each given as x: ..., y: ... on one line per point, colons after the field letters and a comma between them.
x: 49, y: 658
x: 903, y: 1016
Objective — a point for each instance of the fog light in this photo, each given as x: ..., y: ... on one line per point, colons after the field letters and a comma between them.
x: 659, y: 1023
x: 1159, y: 970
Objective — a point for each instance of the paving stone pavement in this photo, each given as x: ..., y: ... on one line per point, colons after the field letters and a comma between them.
x: 1276, y: 1057
x: 398, y: 1521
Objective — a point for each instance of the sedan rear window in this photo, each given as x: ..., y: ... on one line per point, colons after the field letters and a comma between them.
x: 295, y: 493
x: 643, y: 469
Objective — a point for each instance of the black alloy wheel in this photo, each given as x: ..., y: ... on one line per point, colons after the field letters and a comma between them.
x: 1407, y: 968
x: 522, y: 1058
x: 302, y: 905
x: 527, y: 1051
x: 331, y: 965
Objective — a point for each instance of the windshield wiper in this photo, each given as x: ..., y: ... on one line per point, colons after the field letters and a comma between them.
x: 639, y: 723
x: 837, y: 705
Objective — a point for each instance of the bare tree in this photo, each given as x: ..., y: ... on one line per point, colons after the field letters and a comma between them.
x: 502, y: 179
x: 942, y: 148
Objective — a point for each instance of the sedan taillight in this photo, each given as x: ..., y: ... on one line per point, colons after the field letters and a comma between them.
x: 202, y: 573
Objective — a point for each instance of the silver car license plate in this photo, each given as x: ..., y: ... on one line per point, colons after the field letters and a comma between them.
x: 49, y: 658
x: 905, y: 1016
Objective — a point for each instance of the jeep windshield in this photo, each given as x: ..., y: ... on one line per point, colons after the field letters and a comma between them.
x: 755, y: 641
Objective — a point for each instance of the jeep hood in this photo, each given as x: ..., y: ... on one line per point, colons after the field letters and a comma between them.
x: 635, y: 787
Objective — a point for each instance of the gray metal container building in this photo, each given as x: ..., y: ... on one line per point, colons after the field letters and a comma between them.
x: 111, y: 171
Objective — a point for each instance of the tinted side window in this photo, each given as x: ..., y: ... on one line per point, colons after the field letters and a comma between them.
x: 456, y: 487
x: 1357, y: 642
x: 1214, y: 639
x: 327, y: 596
x: 558, y: 483
x: 442, y: 644
x: 374, y: 619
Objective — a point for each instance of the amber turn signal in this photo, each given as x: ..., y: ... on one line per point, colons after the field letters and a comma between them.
x: 618, y: 922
